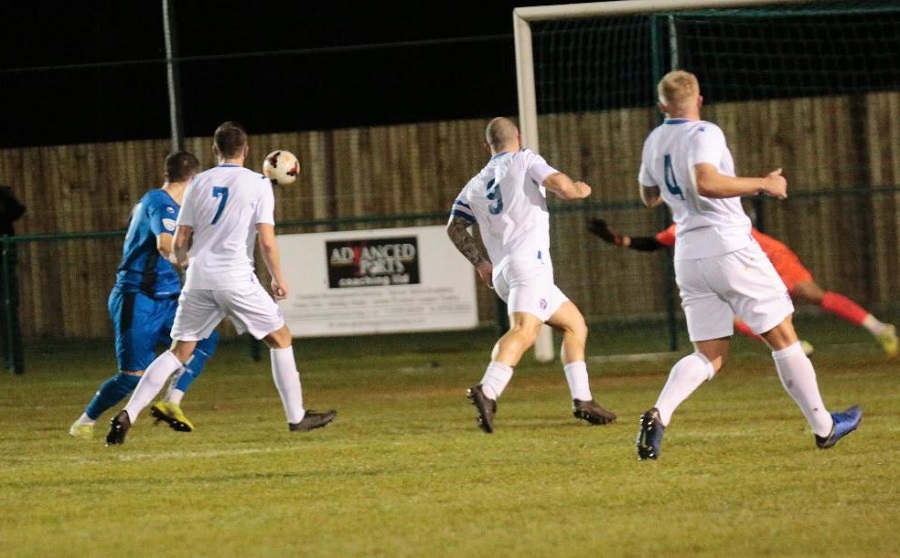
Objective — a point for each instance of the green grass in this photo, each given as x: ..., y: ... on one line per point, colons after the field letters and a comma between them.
x: 404, y: 471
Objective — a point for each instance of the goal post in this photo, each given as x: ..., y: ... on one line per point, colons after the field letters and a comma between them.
x: 544, y: 349
x: 524, y: 17
x: 775, y: 71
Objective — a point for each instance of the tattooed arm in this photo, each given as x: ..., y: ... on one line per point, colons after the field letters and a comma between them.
x: 458, y: 231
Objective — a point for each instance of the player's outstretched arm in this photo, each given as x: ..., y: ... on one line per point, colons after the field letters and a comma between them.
x: 565, y: 188
x: 713, y: 184
x: 458, y: 231
x: 599, y: 228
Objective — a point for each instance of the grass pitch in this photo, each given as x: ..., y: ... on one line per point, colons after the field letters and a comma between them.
x: 404, y: 471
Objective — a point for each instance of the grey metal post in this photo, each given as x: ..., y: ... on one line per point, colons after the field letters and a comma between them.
x: 174, y: 86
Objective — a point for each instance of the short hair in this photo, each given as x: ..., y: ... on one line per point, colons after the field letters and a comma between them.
x: 181, y: 166
x: 230, y: 139
x: 676, y: 87
x: 500, y: 132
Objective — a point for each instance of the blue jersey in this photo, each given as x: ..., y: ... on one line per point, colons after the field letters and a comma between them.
x: 142, y: 268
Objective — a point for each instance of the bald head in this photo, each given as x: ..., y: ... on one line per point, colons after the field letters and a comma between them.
x: 502, y: 134
x: 679, y: 93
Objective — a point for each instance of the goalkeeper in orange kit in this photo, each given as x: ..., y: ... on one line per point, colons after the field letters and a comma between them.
x: 798, y: 280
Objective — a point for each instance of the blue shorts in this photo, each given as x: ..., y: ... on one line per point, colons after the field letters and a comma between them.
x: 141, y: 323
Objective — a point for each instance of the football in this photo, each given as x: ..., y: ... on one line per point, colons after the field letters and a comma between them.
x: 281, y: 167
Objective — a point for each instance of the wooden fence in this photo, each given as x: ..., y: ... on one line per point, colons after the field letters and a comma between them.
x: 841, y: 156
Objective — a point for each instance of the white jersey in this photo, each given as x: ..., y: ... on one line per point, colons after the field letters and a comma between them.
x: 705, y: 226
x: 224, y: 205
x: 507, y: 201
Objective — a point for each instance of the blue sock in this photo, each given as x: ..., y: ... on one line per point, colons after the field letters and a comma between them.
x: 195, y: 365
x: 111, y: 392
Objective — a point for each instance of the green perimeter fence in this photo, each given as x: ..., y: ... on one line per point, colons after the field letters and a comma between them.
x: 56, y: 286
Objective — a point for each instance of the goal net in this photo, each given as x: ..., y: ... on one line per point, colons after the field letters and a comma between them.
x: 812, y: 87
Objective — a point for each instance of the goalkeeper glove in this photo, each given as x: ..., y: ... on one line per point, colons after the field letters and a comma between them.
x: 600, y: 228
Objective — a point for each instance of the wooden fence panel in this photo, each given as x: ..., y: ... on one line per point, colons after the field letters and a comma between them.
x: 846, y: 233
x: 883, y: 146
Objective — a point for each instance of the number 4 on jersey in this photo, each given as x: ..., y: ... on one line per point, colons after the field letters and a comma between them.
x: 669, y: 174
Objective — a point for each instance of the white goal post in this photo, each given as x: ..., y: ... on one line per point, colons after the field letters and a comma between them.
x: 544, y: 350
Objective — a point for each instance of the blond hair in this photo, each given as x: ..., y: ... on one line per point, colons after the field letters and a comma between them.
x: 678, y: 88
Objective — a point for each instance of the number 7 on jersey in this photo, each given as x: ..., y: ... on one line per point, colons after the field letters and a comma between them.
x: 220, y: 192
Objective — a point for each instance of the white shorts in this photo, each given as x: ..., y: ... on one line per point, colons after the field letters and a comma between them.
x: 527, y: 286
x: 250, y: 309
x: 743, y: 283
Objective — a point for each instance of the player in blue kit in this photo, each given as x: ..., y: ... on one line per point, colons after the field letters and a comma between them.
x: 228, y: 211
x: 143, y: 301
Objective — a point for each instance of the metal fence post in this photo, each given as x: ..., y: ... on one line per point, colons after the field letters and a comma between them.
x: 15, y: 362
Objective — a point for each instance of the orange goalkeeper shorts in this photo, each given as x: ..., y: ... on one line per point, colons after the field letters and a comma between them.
x: 787, y: 264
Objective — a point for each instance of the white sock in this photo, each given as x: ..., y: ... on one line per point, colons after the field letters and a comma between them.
x: 872, y: 323
x: 496, y: 378
x: 577, y: 376
x: 84, y: 419
x: 174, y: 395
x: 799, y: 379
x: 287, y: 380
x: 151, y: 383
x: 686, y: 376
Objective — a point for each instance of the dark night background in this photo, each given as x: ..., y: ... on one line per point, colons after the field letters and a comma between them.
x: 93, y: 70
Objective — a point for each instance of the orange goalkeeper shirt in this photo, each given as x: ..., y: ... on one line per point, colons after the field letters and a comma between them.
x: 786, y: 262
